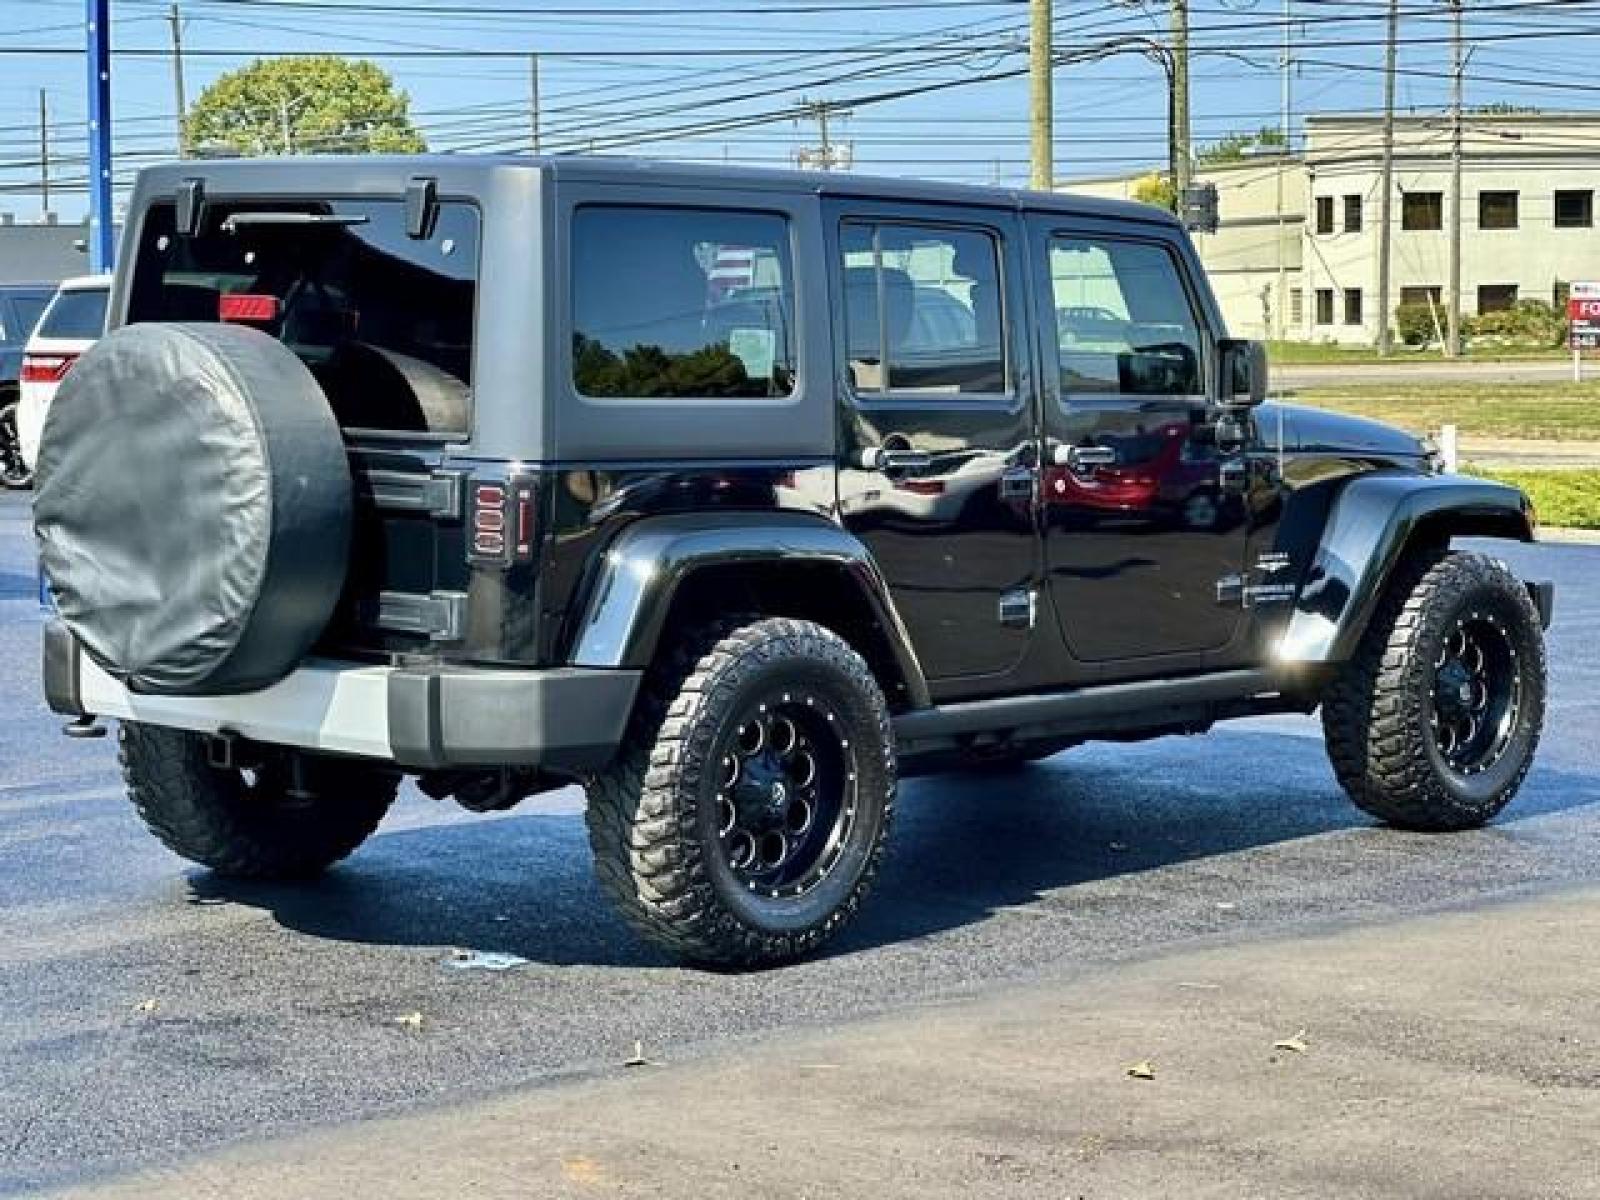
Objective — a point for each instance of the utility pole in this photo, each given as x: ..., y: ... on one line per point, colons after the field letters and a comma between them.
x: 44, y: 155
x: 288, y: 128
x: 1280, y: 310
x: 179, y: 100
x: 1180, y: 96
x: 826, y: 156
x: 1386, y: 201
x: 1041, y: 98
x: 1459, y: 66
x: 534, y: 117
x: 102, y: 234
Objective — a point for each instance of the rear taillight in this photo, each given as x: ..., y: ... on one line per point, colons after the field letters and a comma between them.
x: 502, y: 522
x: 46, y: 368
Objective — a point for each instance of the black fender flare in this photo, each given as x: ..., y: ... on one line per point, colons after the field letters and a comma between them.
x: 1373, y: 522
x: 649, y: 561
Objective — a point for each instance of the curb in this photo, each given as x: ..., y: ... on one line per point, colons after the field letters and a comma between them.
x: 1569, y: 537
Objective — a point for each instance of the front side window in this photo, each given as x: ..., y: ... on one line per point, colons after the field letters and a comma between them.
x: 1422, y: 210
x: 681, y: 303
x: 923, y: 311
x: 1124, y: 322
x: 384, y: 321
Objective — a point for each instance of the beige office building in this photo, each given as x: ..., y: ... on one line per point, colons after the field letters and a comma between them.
x: 1296, y: 252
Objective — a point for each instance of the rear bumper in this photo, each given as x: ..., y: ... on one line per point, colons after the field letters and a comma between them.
x: 421, y: 718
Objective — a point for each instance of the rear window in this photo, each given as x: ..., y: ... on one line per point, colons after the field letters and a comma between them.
x: 384, y: 321
x: 690, y: 303
x: 79, y: 315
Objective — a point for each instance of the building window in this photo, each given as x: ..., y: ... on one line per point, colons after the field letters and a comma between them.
x: 1297, y: 306
x: 1324, y: 214
x: 1574, y: 210
x: 1352, y: 306
x: 1422, y: 210
x: 1497, y: 210
x: 1559, y: 294
x: 1324, y: 306
x: 1352, y: 214
x: 1496, y: 297
x: 1424, y: 294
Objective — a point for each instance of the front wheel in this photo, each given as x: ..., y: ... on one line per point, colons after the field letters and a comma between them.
x: 14, y: 470
x: 748, y: 811
x: 1434, y: 723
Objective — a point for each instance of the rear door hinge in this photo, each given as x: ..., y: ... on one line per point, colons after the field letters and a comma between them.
x: 1019, y: 608
x: 440, y: 616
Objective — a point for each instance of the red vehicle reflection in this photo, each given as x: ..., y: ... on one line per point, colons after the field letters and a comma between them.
x: 1159, y: 475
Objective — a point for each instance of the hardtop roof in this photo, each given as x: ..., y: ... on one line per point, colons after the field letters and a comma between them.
x: 640, y: 171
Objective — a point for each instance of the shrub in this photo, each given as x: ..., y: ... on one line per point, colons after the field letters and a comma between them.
x: 1413, y: 323
x: 1528, y: 323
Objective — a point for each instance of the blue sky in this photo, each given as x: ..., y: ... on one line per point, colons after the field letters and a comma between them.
x: 608, y: 72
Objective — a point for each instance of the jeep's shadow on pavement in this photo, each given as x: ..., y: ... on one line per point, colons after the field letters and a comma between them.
x: 968, y: 848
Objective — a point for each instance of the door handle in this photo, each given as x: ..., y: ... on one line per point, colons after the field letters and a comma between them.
x: 1083, y: 459
x: 887, y: 460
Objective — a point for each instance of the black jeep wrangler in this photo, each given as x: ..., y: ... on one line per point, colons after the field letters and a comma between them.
x: 731, y: 496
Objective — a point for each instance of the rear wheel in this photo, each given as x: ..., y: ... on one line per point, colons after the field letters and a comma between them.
x: 287, y: 816
x: 14, y: 470
x: 748, y: 812
x: 1434, y: 723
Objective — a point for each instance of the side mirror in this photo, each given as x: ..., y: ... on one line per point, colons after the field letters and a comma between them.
x: 1241, y: 372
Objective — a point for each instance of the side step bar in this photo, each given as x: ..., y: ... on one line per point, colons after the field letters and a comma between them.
x: 1109, y: 707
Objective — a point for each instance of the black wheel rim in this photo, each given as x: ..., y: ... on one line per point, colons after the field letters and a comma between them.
x: 1477, y: 693
x: 786, y: 795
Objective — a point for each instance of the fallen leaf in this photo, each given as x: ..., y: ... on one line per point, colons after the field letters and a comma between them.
x: 1142, y: 1070
x: 583, y: 1171
x: 1295, y: 1044
x: 410, y: 1020
x: 147, y: 1006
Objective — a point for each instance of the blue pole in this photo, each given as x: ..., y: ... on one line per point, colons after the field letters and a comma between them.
x: 102, y: 234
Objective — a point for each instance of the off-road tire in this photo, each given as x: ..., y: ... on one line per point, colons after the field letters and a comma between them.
x: 250, y: 828
x: 651, y: 815
x: 1376, y: 713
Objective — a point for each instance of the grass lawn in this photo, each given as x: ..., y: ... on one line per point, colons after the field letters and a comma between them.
x: 1322, y: 353
x: 1566, y: 499
x: 1544, y: 411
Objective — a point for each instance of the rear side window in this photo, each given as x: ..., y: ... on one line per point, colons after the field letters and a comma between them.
x: 922, y: 310
x: 384, y: 321
x: 681, y: 303
x: 23, y: 317
x: 79, y: 315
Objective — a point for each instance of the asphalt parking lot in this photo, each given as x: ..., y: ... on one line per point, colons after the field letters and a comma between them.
x: 151, y: 1011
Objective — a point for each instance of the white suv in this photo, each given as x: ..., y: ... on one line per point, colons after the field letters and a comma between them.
x: 74, y: 321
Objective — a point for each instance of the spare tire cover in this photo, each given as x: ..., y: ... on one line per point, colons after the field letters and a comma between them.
x: 193, y: 508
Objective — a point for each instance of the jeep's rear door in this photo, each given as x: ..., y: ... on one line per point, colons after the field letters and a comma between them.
x: 1145, y: 522
x: 938, y: 449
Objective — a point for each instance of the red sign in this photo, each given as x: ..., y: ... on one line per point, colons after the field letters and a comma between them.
x: 1583, y: 316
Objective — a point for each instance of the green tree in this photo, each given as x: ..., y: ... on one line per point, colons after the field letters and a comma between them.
x: 1235, y: 147
x: 322, y: 104
x: 1158, y: 189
